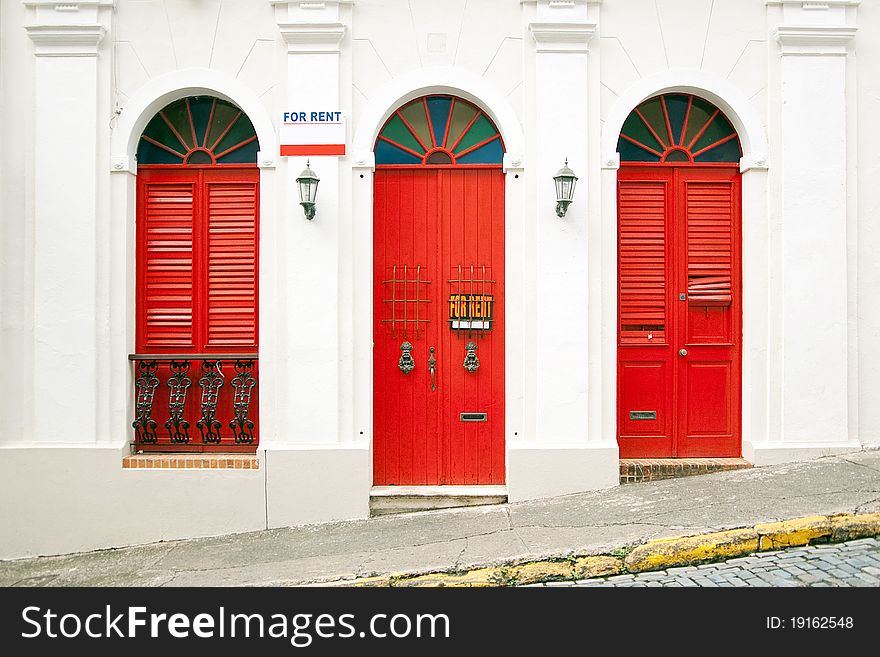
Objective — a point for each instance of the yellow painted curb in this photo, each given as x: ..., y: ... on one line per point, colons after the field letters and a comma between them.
x: 667, y: 552
x: 850, y: 526
x: 586, y: 567
x: 789, y: 533
x: 653, y: 555
x: 479, y: 577
x: 540, y: 571
x: 367, y: 582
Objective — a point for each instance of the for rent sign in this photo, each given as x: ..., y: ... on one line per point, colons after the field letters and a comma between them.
x: 312, y: 132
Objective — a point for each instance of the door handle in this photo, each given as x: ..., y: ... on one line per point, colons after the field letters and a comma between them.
x: 432, y: 368
x: 682, y: 352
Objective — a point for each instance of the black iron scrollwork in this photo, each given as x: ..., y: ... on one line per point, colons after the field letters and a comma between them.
x: 211, y: 382
x: 146, y: 384
x: 471, y: 362
x: 178, y: 383
x: 406, y: 362
x: 243, y: 382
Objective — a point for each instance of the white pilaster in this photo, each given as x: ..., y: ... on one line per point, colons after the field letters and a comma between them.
x: 313, y: 33
x: 814, y: 40
x: 562, y: 33
x: 66, y: 39
x: 558, y: 454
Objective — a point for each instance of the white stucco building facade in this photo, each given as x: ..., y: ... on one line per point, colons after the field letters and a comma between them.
x: 81, y: 80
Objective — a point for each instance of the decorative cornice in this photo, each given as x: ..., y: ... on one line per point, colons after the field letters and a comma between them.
x: 814, y: 39
x: 71, y: 5
x: 323, y: 37
x: 562, y: 36
x: 66, y: 40
x: 815, y: 4
x: 311, y: 4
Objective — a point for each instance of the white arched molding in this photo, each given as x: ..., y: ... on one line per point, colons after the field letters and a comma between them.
x: 159, y: 92
x: 719, y: 91
x: 438, y: 81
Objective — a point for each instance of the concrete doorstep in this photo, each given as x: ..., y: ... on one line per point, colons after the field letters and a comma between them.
x: 632, y: 528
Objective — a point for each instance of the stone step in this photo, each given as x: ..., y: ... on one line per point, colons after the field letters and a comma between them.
x: 637, y: 470
x: 385, y: 500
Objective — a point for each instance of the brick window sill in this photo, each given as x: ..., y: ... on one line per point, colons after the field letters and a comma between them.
x: 191, y: 462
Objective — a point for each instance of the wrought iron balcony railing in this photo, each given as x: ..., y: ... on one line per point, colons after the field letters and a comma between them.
x: 219, y: 414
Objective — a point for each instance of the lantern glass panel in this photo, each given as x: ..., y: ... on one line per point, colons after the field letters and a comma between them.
x: 308, y: 189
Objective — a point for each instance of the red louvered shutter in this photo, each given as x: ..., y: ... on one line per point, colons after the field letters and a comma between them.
x: 709, y: 243
x: 166, y: 264
x: 642, y: 275
x: 197, y: 260
x: 231, y: 260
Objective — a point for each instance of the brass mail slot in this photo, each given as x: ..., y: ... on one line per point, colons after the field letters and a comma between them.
x: 643, y: 415
x: 473, y: 417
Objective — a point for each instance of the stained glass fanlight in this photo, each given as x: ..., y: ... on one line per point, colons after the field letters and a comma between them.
x: 439, y: 130
x: 199, y: 130
x: 680, y: 129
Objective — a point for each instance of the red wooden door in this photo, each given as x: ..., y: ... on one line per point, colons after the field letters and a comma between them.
x: 679, y: 312
x: 438, y: 244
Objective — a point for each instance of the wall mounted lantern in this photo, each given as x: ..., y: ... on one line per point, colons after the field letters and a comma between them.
x: 565, y: 180
x: 308, y: 189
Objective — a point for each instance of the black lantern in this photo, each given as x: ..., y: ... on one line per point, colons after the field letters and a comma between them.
x: 308, y: 189
x: 565, y: 180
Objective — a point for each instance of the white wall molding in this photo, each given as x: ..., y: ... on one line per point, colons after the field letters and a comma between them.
x: 77, y: 40
x: 562, y: 36
x: 312, y: 37
x: 513, y: 162
x: 440, y: 80
x: 815, y: 5
x: 733, y: 102
x: 68, y: 7
x: 814, y: 39
x: 158, y: 92
x: 364, y: 161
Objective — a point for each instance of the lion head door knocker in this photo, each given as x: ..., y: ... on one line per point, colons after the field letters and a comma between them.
x: 471, y: 362
x: 406, y: 362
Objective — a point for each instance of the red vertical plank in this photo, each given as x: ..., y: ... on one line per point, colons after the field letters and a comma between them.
x: 498, y: 371
x: 379, y: 342
x: 433, y: 329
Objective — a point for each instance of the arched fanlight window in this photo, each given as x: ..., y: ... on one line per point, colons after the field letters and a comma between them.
x: 439, y: 130
x: 199, y: 130
x: 678, y: 129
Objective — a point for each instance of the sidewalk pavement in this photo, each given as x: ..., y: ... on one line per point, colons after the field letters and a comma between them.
x: 593, y: 523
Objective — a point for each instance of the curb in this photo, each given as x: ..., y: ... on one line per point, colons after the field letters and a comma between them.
x: 657, y: 554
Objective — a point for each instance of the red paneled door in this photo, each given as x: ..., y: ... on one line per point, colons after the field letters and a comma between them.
x: 679, y: 311
x: 438, y: 254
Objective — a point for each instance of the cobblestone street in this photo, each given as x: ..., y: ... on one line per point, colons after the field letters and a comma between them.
x: 856, y: 563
